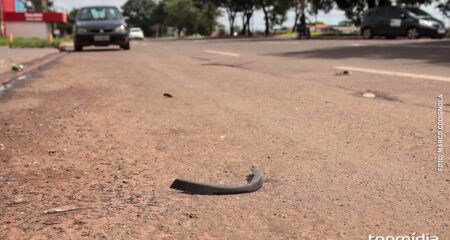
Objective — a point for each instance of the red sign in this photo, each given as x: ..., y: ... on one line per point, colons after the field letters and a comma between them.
x: 8, y: 5
x: 50, y: 17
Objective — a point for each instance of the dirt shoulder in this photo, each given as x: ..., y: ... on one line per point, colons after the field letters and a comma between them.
x: 94, y: 134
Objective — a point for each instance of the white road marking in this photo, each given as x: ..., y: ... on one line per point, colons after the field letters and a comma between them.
x: 398, y: 74
x: 358, y: 45
x: 230, y: 54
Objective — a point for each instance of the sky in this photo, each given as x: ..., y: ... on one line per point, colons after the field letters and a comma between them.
x: 333, y: 17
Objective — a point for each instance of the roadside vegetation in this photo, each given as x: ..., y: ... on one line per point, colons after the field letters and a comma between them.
x: 29, y: 43
x: 3, y: 42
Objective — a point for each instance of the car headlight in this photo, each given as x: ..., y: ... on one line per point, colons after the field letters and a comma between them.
x: 424, y: 22
x: 120, y: 29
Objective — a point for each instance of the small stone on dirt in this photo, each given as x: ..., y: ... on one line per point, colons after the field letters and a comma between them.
x: 17, y: 201
x: 191, y: 215
x: 51, y: 152
x: 79, y: 222
x: 369, y: 95
x: 168, y: 95
x: 61, y: 209
x: 344, y: 73
x: 52, y: 221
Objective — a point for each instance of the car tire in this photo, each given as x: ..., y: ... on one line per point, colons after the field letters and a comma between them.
x: 125, y: 46
x: 367, y: 33
x: 78, y: 48
x: 412, y: 33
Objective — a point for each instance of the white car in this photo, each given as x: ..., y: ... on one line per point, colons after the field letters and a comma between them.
x: 136, y: 33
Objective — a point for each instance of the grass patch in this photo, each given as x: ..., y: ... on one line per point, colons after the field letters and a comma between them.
x: 30, y: 43
x: 287, y: 35
x: 314, y: 34
x: 3, y: 42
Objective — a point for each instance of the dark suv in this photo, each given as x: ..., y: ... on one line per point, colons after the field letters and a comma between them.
x: 100, y: 26
x: 395, y: 21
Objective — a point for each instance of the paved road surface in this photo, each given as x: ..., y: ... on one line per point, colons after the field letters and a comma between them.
x: 93, y: 131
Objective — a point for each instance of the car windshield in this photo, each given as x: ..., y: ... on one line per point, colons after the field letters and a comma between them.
x: 415, y: 12
x: 136, y: 30
x: 99, y: 13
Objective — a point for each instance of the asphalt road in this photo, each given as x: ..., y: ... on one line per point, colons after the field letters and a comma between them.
x: 94, y: 133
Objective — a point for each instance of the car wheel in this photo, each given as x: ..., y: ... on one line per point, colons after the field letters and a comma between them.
x: 367, y: 33
x: 126, y: 46
x: 412, y: 33
x: 78, y: 48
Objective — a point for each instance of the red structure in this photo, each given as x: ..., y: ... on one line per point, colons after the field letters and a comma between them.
x: 49, y: 17
x: 5, y: 6
x: 27, y: 24
x: 8, y: 5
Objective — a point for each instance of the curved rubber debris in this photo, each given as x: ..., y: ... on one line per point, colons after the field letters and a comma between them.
x: 213, y: 189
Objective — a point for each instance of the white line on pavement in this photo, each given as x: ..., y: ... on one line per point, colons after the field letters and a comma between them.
x: 398, y: 74
x: 230, y: 54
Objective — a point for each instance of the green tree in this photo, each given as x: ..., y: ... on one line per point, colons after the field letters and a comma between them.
x: 140, y: 14
x: 208, y: 13
x: 345, y: 23
x: 279, y: 11
x: 181, y: 14
x: 158, y: 17
x: 274, y: 12
x: 445, y: 8
x: 68, y: 27
x: 247, y: 9
x: 191, y: 16
x: 232, y: 8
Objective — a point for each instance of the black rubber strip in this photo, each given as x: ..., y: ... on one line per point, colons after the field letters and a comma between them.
x: 213, y: 189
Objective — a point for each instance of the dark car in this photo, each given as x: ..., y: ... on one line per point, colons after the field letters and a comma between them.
x: 396, y: 21
x: 100, y: 26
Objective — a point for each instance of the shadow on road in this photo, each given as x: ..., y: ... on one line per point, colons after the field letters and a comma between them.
x: 432, y: 52
x: 98, y: 50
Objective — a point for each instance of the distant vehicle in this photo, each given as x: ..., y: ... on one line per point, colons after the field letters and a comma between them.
x: 100, y: 26
x: 136, y: 33
x: 394, y: 21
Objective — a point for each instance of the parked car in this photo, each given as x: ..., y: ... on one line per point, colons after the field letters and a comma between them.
x: 396, y: 21
x: 136, y: 33
x: 100, y: 26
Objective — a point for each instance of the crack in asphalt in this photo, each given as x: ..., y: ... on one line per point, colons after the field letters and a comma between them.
x: 239, y: 65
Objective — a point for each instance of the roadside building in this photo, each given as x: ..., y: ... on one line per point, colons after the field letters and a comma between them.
x: 19, y: 22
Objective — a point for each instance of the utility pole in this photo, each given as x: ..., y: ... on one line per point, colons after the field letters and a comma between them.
x: 2, y: 24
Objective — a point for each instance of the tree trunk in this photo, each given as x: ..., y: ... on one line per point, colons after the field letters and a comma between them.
x: 266, y: 19
x: 249, y: 15
x: 231, y: 17
x: 244, y: 26
x: 371, y: 3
